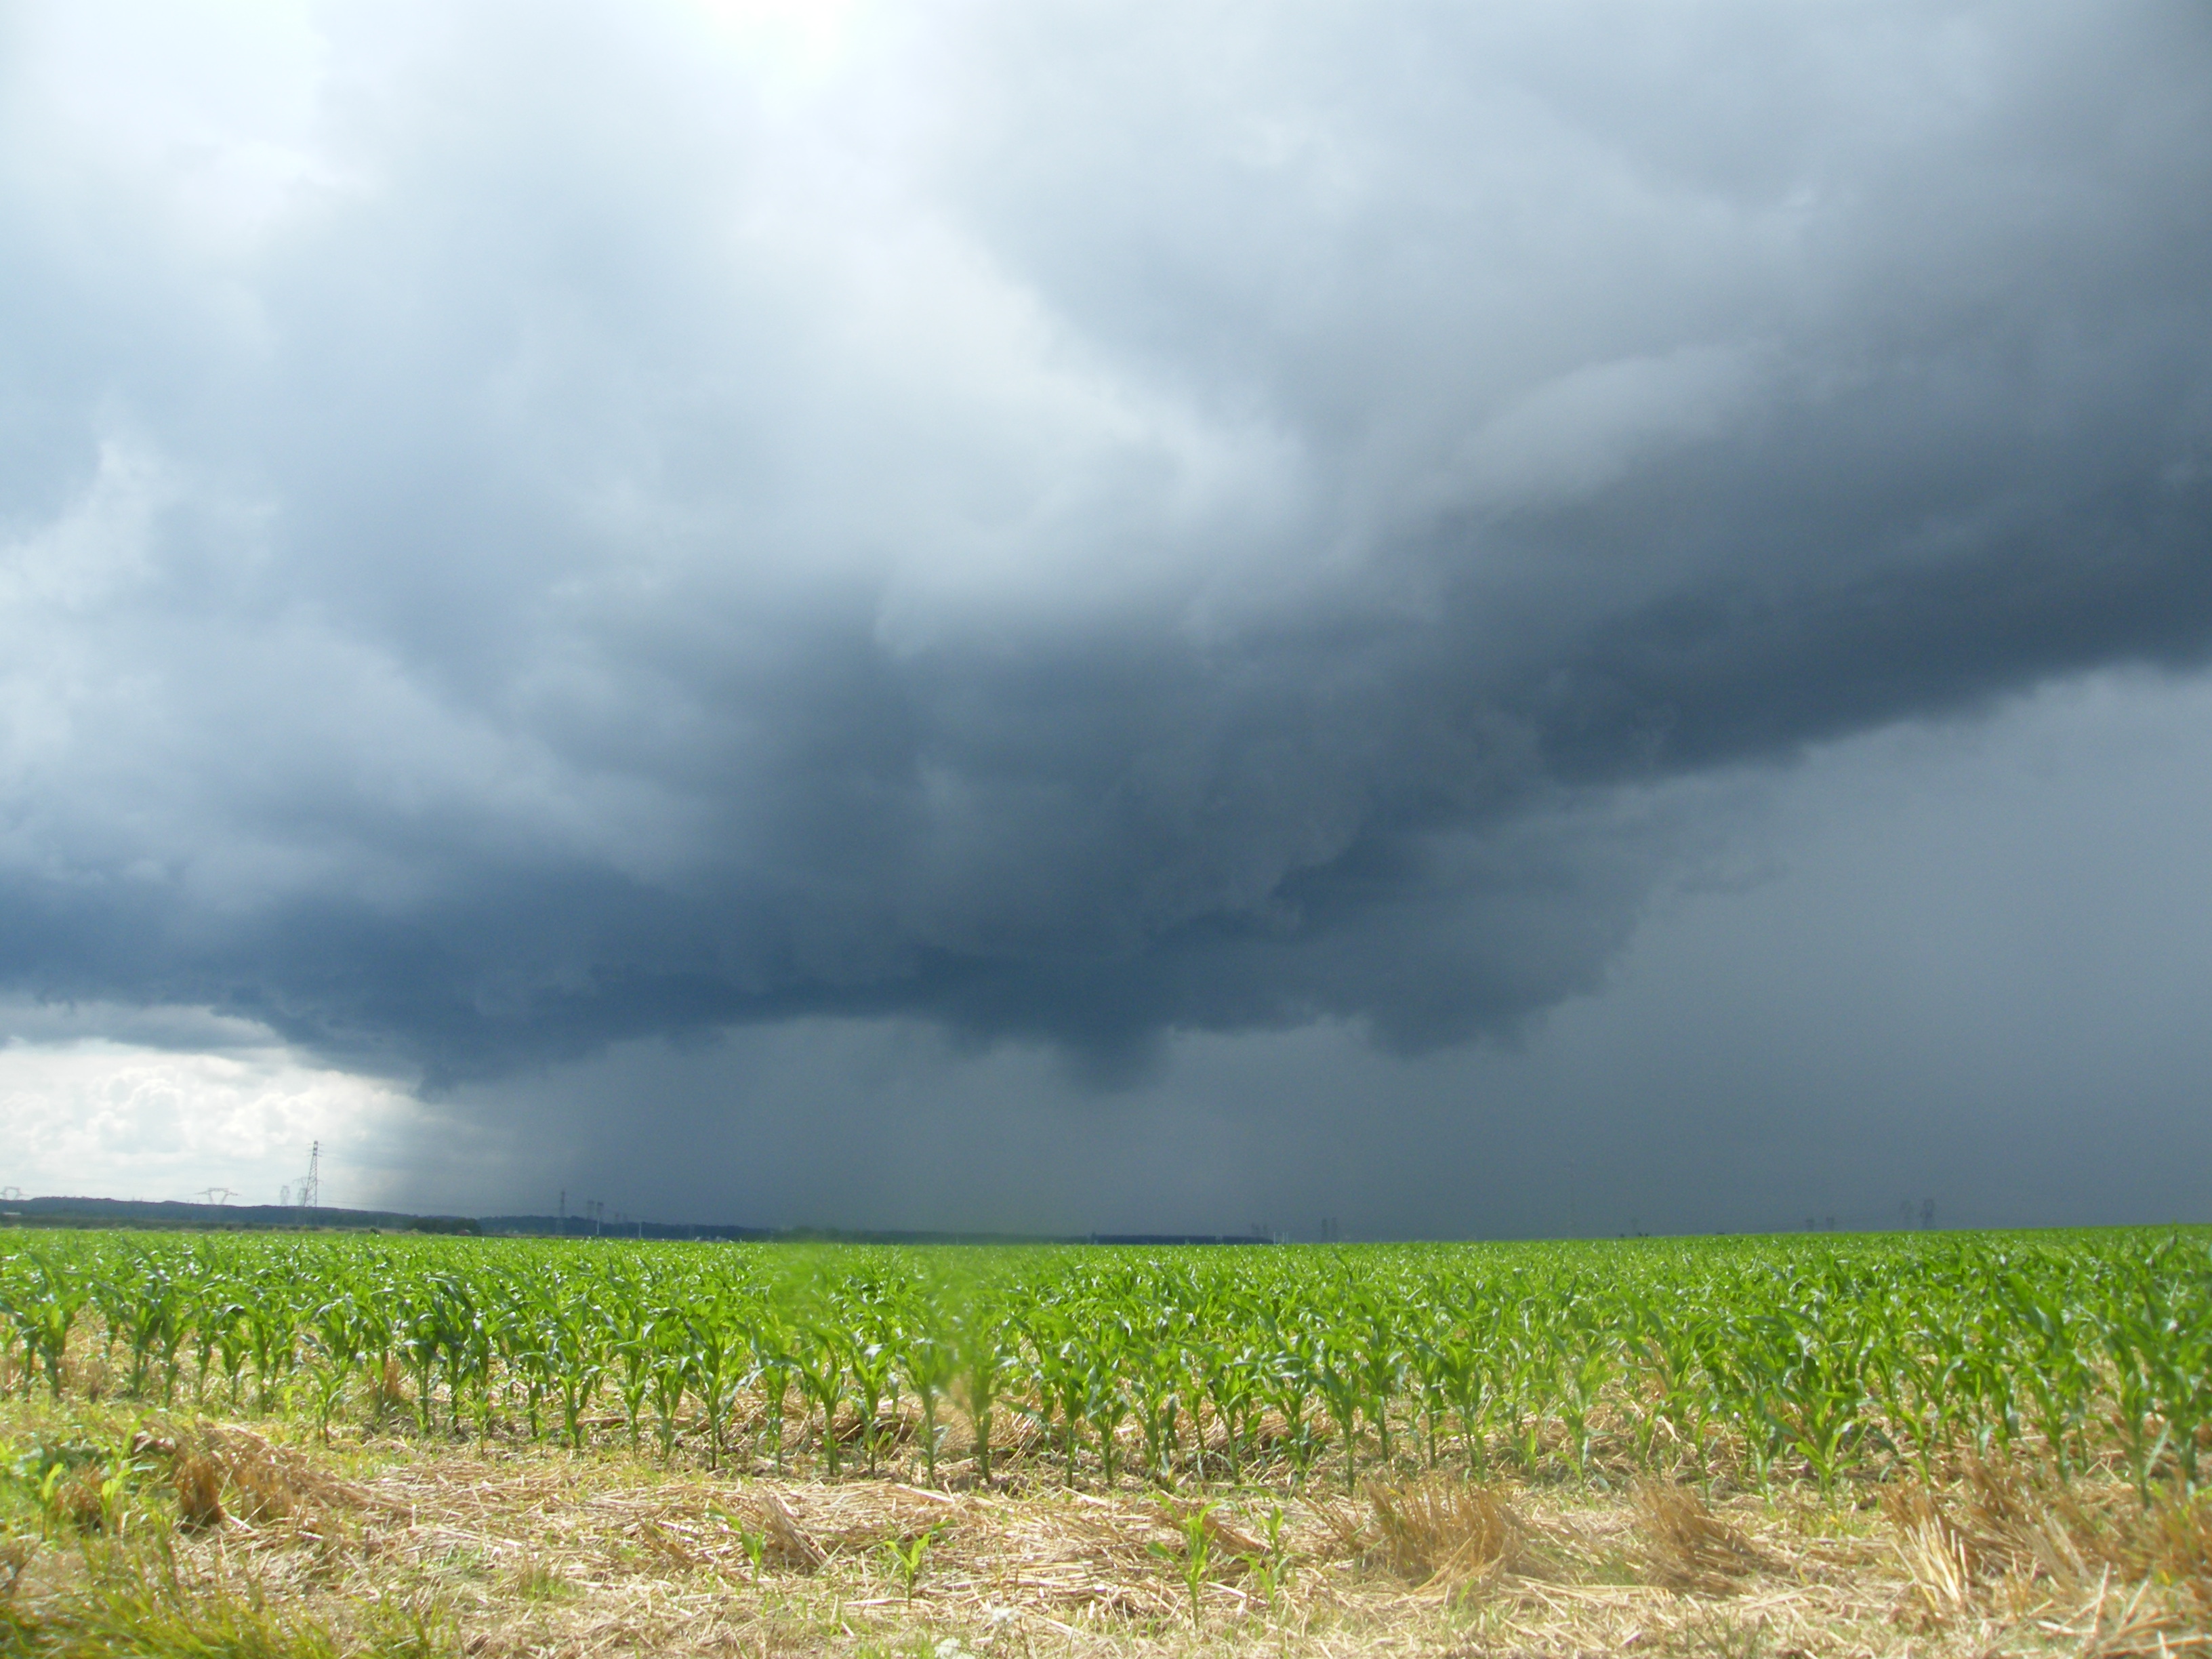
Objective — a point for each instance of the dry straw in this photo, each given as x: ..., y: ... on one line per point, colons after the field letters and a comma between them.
x: 543, y: 1552
x: 1686, y: 1547
x: 1442, y: 1533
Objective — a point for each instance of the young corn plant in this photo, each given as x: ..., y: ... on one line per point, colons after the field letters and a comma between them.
x: 818, y: 1359
x: 1157, y: 1392
x: 1192, y: 1555
x: 1271, y: 1567
x: 340, y: 1333
x: 1059, y: 1371
x: 1587, y: 1366
x: 1230, y: 1376
x: 716, y: 1349
x: 574, y: 1341
x: 1106, y: 1405
x: 630, y: 1345
x: 874, y: 1363
x: 153, y: 1321
x: 1828, y: 1358
x: 43, y: 1313
x: 668, y: 1373
x: 985, y: 1362
x: 1381, y: 1366
x: 1338, y: 1378
x: 1287, y: 1383
x: 930, y: 1362
x: 1532, y: 1371
x: 906, y: 1556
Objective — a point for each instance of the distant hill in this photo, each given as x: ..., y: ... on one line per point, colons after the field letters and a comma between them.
x: 553, y: 1226
x: 166, y: 1215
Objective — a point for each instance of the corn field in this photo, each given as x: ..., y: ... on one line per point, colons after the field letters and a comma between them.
x: 1821, y: 1360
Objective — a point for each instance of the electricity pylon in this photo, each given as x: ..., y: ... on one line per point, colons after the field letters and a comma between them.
x: 310, y: 1189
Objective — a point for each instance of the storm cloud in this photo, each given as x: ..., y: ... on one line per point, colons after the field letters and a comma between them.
x: 527, y: 533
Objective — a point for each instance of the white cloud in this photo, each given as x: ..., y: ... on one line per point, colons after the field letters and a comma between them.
x: 94, y: 1117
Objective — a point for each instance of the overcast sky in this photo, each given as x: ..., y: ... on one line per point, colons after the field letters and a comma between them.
x: 1467, y: 620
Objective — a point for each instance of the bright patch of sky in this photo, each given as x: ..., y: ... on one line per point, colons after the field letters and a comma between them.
x: 93, y: 1117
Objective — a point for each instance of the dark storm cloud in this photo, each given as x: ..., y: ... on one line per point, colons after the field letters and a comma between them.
x: 1960, y: 962
x: 1058, y: 523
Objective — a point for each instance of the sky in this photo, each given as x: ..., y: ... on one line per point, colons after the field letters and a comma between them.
x: 1411, y: 622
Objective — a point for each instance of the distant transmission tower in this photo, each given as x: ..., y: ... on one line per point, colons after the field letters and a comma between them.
x: 310, y: 1189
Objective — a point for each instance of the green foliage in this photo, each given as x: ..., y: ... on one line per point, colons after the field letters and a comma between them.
x: 907, y: 1555
x: 1192, y: 1554
x: 132, y: 1603
x: 1824, y: 1359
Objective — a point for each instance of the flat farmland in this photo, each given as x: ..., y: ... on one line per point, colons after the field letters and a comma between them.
x: 1883, y: 1444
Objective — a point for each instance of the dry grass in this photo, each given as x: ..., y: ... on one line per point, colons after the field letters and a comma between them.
x: 2086, y: 1565
x: 198, y: 1483
x: 1686, y: 1547
x: 511, y: 1552
x: 1446, y: 1533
